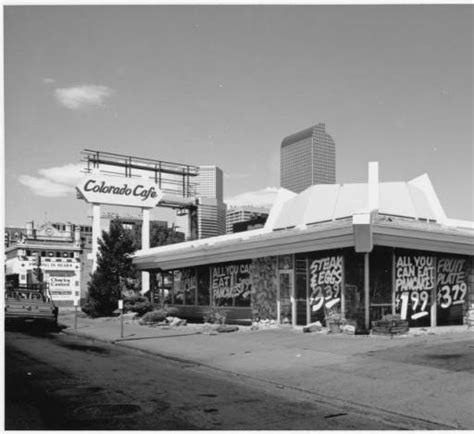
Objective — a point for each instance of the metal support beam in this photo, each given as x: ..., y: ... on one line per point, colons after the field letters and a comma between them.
x: 95, y: 234
x: 145, y: 245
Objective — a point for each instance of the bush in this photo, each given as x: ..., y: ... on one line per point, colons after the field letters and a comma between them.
x: 154, y: 317
x: 391, y: 317
x: 171, y: 311
x: 215, y: 315
x: 138, y: 304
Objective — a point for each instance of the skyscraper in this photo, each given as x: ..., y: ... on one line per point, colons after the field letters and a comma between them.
x: 307, y: 157
x: 210, y: 182
x: 211, y: 210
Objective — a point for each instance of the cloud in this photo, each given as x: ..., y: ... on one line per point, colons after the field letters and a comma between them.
x: 260, y: 198
x: 45, y: 187
x: 81, y: 97
x: 54, y: 181
x: 69, y: 174
x: 48, y: 80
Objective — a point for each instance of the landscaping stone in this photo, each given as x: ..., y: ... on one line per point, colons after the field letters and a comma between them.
x: 224, y: 328
x: 313, y: 327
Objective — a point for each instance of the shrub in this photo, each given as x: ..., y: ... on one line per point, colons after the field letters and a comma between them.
x: 171, y: 311
x: 391, y: 317
x: 154, y: 317
x: 215, y: 315
x: 138, y: 304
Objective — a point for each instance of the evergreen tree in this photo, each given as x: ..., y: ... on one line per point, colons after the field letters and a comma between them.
x: 113, y: 267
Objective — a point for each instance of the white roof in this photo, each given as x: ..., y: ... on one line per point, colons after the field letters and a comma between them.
x: 415, y: 199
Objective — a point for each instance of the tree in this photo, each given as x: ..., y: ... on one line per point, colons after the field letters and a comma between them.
x: 114, y: 267
x: 159, y: 235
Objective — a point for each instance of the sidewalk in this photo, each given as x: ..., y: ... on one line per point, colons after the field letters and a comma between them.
x: 428, y: 377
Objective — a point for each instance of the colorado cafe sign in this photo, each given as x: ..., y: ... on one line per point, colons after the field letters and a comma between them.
x: 136, y: 192
x: 139, y: 192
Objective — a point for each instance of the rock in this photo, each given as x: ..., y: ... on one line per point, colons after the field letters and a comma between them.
x: 313, y: 327
x: 177, y: 322
x: 224, y: 328
x: 254, y: 328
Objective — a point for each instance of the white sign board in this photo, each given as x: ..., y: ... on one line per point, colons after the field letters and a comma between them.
x: 138, y: 192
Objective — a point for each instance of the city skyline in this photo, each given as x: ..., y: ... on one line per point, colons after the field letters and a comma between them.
x: 392, y: 83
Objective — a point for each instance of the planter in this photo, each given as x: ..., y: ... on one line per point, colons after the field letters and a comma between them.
x: 334, y: 327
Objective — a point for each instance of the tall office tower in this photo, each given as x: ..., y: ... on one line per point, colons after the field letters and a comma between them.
x: 240, y: 214
x: 307, y: 158
x: 211, y: 217
x: 210, y: 182
x: 211, y: 210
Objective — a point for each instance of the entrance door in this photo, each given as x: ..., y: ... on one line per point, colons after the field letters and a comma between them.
x: 285, y: 297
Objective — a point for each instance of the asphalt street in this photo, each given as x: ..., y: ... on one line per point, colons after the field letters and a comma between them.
x: 58, y: 381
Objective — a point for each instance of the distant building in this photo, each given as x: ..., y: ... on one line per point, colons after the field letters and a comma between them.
x: 211, y: 209
x: 254, y: 223
x: 85, y: 232
x: 243, y: 214
x: 128, y: 222
x: 307, y: 158
x: 60, y: 258
x: 210, y: 182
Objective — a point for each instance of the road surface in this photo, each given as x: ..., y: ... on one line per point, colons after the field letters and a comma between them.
x: 58, y: 381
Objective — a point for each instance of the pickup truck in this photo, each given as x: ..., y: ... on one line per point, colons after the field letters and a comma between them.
x: 30, y: 303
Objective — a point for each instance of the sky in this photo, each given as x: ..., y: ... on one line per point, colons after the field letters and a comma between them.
x: 223, y: 85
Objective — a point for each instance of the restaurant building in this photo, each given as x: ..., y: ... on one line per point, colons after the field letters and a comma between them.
x: 358, y: 250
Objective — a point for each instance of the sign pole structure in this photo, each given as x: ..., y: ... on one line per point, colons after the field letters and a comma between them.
x: 76, y: 302
x: 366, y: 291
x: 145, y: 245
x: 120, y: 305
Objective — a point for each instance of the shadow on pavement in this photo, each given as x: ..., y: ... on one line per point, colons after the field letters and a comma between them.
x: 33, y: 328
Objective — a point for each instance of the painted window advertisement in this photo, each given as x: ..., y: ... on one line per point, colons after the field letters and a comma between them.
x: 325, y: 286
x: 230, y: 284
x: 185, y: 286
x: 414, y: 283
x: 451, y: 290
